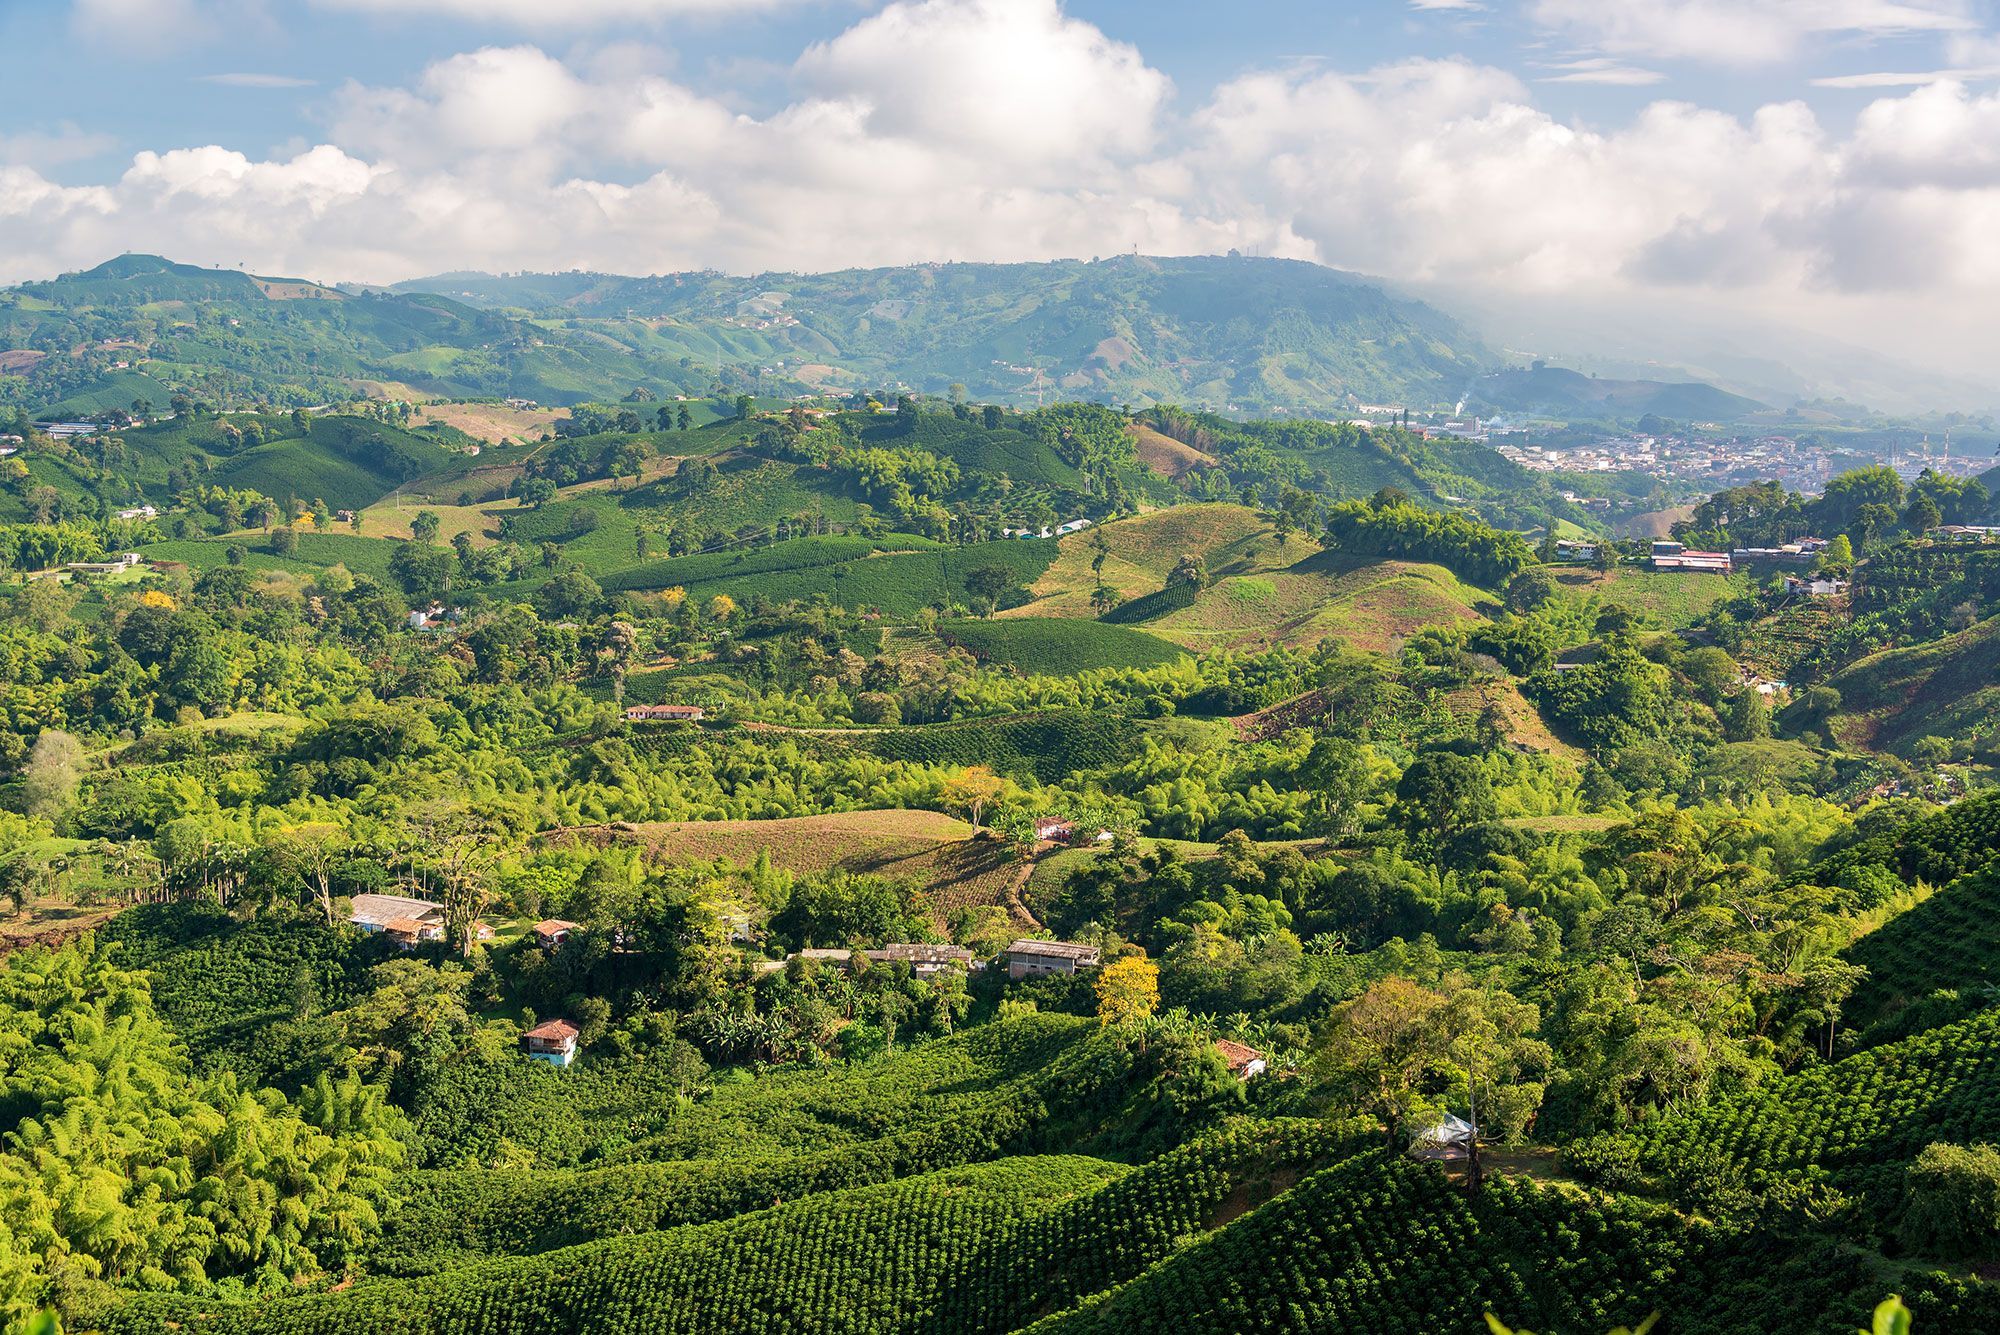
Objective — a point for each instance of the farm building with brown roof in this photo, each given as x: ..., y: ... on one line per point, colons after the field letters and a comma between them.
x: 551, y: 1041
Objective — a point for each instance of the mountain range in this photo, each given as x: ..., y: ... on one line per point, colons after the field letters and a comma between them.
x: 1233, y: 334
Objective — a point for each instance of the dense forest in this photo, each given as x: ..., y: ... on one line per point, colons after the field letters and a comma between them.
x: 886, y: 862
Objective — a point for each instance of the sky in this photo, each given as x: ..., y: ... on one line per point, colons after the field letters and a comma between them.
x: 1831, y: 165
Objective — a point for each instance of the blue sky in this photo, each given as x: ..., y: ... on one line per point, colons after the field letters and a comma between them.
x: 1832, y: 162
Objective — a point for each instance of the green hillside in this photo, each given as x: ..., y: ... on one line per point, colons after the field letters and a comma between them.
x: 1253, y: 334
x: 1042, y: 644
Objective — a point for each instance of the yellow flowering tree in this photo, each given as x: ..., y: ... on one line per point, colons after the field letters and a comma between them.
x: 1128, y: 990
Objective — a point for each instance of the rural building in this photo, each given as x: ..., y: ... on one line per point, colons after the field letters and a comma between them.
x: 1053, y: 829
x: 435, y: 614
x: 1569, y: 549
x: 1244, y: 1061
x: 1034, y: 958
x: 139, y: 512
x: 551, y: 1041
x: 925, y: 960
x: 1803, y: 552
x: 553, y: 931
x: 1706, y: 563
x: 1962, y: 533
x: 402, y: 919
x: 663, y: 713
x: 1450, y: 1138
x: 124, y: 562
x: 1812, y: 587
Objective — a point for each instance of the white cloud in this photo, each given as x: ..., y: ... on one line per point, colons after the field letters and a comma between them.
x: 68, y: 142
x: 255, y: 80
x: 137, y: 25
x: 1740, y: 32
x: 1013, y: 79
x: 555, y: 13
x: 1601, y: 70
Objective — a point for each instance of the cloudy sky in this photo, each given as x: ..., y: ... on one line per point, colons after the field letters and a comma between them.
x: 1833, y: 163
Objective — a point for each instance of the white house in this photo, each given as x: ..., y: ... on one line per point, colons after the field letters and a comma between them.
x: 551, y: 1041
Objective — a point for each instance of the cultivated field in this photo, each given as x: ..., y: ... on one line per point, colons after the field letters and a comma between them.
x: 390, y: 518
x: 493, y: 423
x: 934, y: 851
x: 1165, y: 455
x: 1673, y: 598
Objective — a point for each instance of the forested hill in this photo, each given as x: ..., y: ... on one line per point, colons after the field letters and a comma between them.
x: 1225, y: 333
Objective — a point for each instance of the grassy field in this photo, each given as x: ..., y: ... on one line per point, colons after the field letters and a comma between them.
x: 1670, y: 597
x: 1143, y: 550
x: 931, y: 850
x: 1163, y: 454
x: 490, y: 422
x: 390, y: 518
x: 1368, y: 605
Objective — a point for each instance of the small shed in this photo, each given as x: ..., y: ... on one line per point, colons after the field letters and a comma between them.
x: 407, y: 932
x: 1449, y: 1139
x: 551, y: 1041
x: 1053, y: 829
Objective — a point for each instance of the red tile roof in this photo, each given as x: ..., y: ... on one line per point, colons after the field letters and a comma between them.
x: 1238, y: 1055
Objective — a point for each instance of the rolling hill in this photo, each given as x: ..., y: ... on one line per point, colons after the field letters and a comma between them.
x: 1556, y: 392
x: 1262, y: 593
